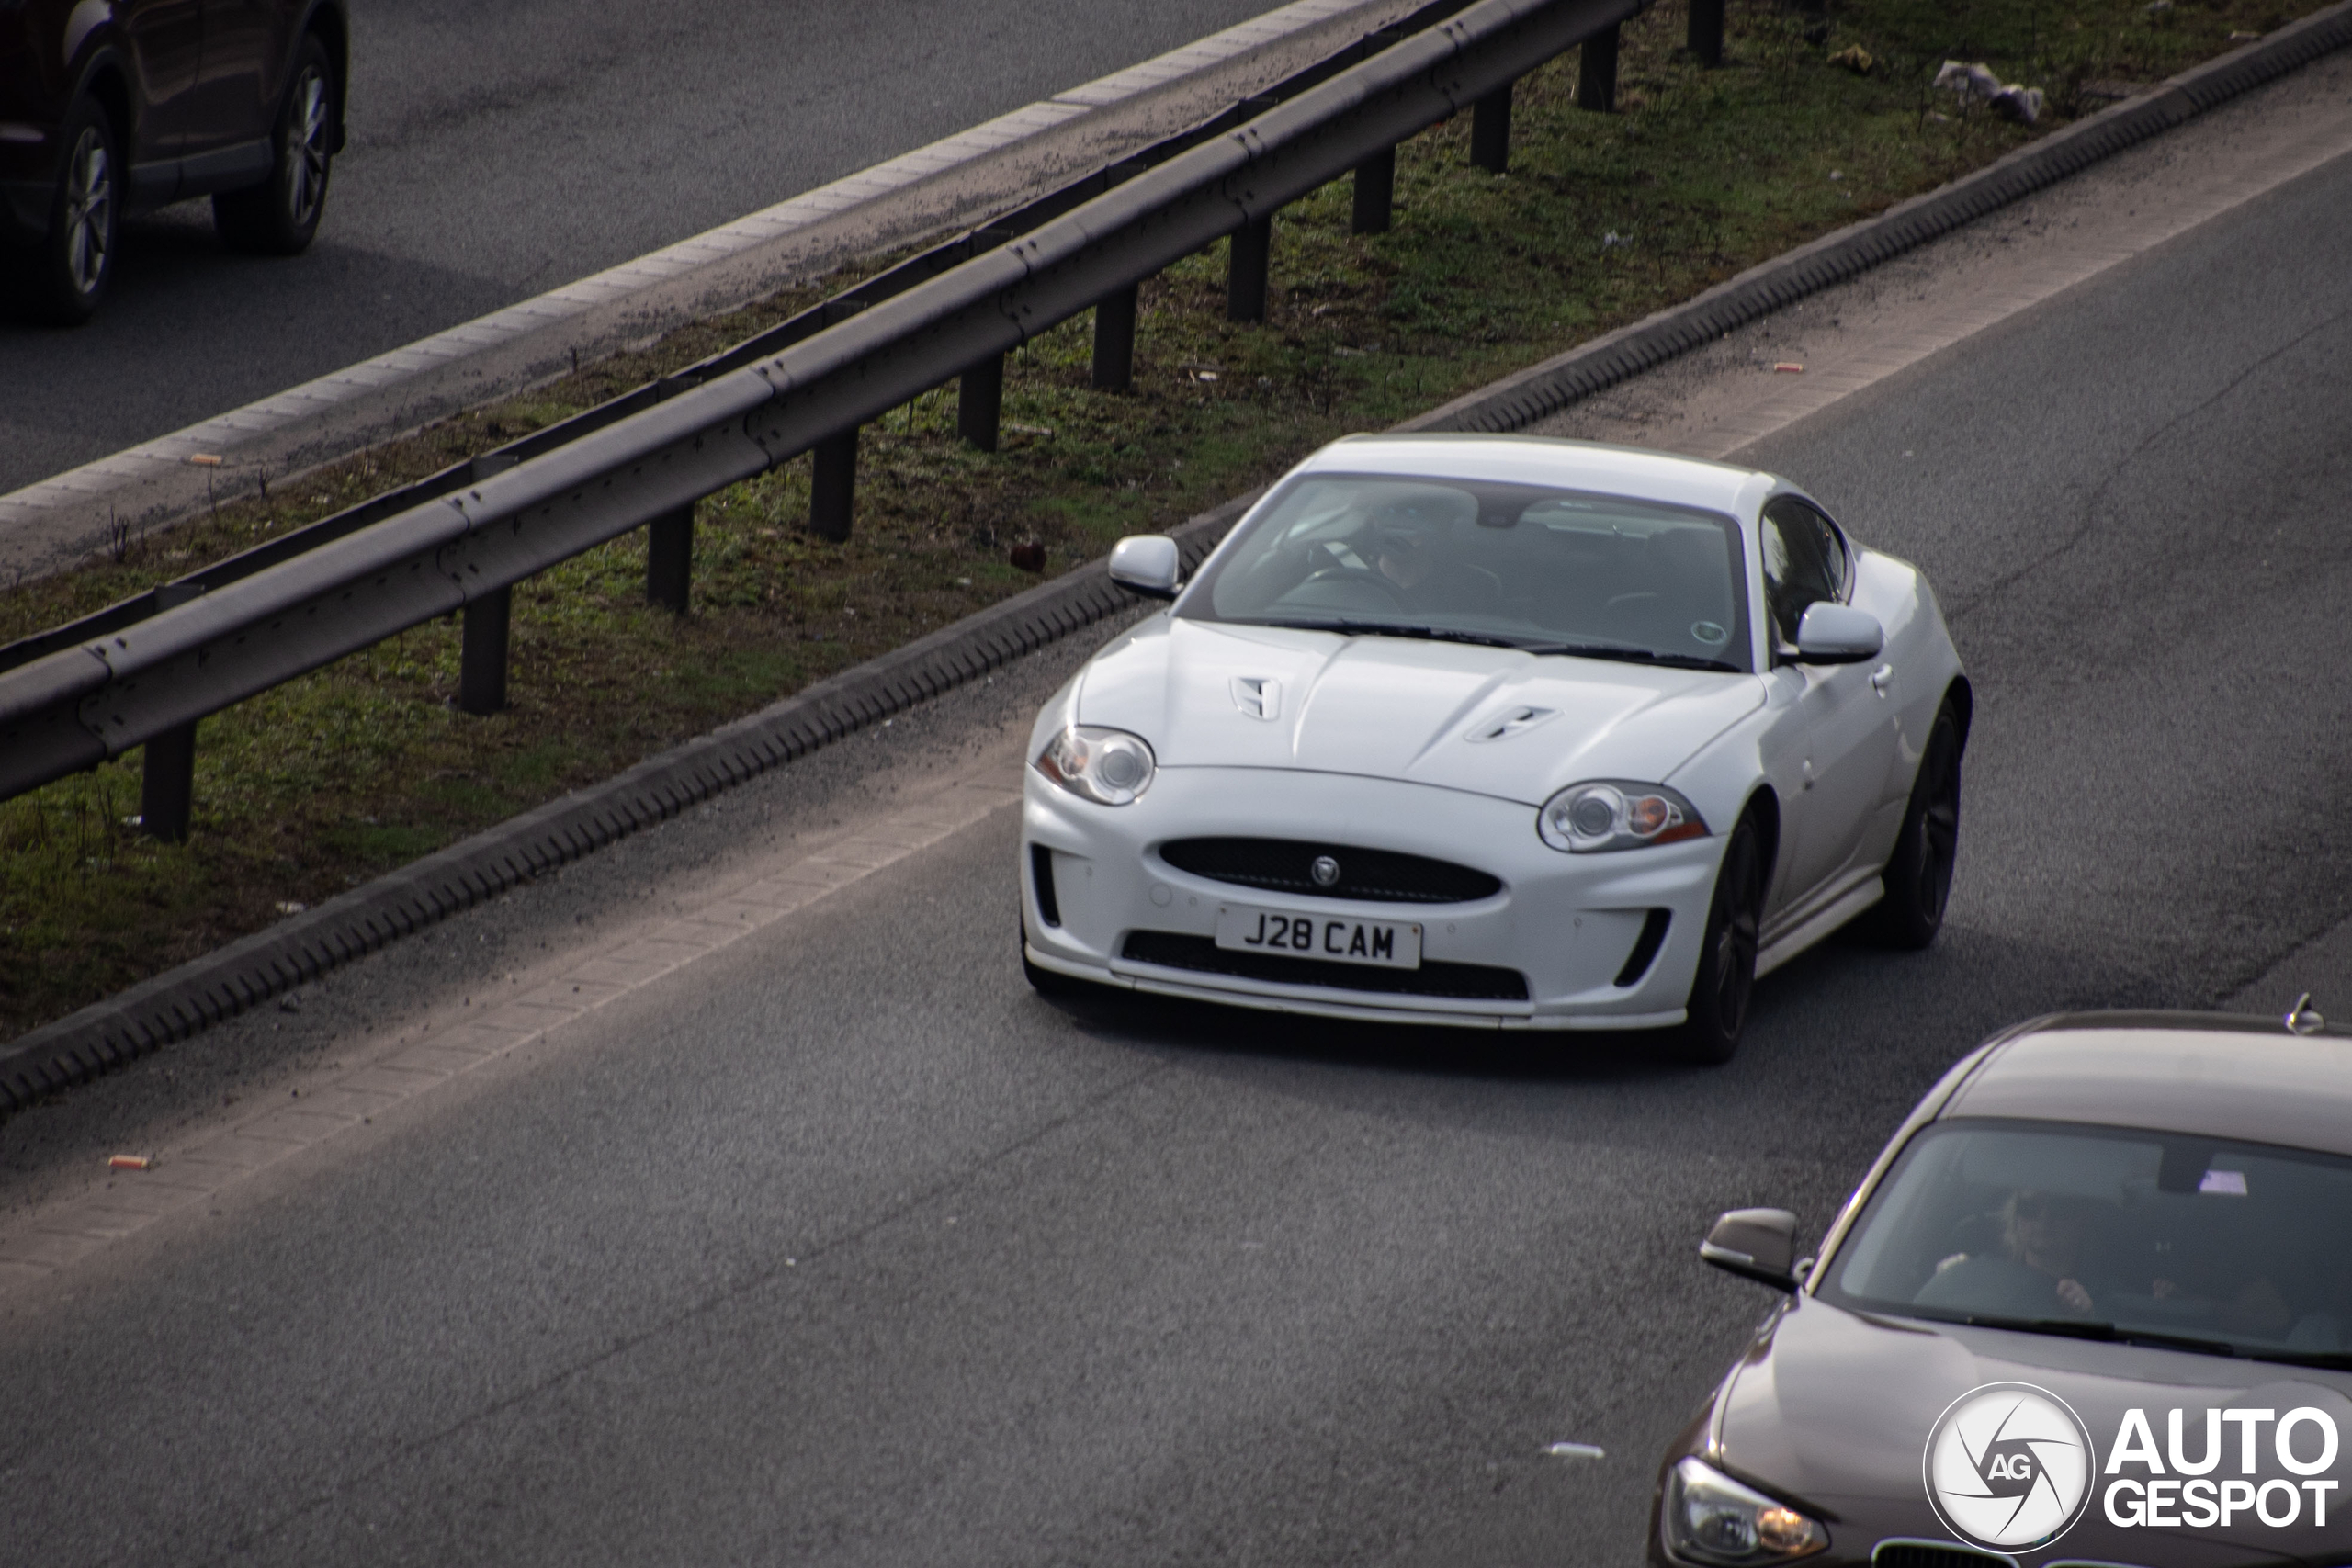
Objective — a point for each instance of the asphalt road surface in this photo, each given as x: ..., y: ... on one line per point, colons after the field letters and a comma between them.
x: 497, y: 152
x: 839, y: 1247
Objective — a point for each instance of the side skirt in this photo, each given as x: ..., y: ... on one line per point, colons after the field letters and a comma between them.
x: 1781, y: 949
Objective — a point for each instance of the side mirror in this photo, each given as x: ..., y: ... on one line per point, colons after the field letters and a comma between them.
x: 1838, y: 633
x: 1146, y: 564
x: 1755, y: 1244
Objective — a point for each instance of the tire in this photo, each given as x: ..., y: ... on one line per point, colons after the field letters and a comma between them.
x: 1726, y: 984
x: 1919, y: 875
x: 278, y: 217
x: 63, y: 278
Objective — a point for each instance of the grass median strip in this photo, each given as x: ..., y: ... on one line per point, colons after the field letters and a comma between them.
x: 1817, y: 118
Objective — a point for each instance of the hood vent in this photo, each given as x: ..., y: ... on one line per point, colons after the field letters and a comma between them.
x: 1510, y: 723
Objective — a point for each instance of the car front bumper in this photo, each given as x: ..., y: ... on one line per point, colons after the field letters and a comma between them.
x: 1563, y: 925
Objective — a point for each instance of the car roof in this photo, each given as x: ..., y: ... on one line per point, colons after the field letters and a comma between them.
x: 2212, y: 1075
x: 1545, y: 460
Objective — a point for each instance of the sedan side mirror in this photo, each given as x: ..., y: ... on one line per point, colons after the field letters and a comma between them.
x: 1755, y: 1244
x: 1832, y: 632
x: 1146, y: 564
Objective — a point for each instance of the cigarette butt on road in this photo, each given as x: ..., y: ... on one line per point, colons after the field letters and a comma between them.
x: 132, y: 1162
x: 205, y: 459
x: 1788, y: 367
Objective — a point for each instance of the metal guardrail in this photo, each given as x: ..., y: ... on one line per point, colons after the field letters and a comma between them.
x: 142, y: 672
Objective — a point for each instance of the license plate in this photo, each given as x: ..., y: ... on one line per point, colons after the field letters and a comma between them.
x: 1337, y: 939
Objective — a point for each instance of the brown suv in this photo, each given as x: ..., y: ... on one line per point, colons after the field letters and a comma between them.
x: 112, y: 109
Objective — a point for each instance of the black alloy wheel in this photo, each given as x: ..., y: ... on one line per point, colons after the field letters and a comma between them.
x: 62, y: 280
x: 278, y: 217
x: 1726, y: 984
x: 1919, y: 875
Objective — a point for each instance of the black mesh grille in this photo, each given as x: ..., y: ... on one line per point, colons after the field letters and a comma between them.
x: 1933, y: 1554
x: 1287, y: 865
x: 1460, y: 982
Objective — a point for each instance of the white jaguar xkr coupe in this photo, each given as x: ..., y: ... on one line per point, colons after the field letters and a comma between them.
x: 1500, y: 731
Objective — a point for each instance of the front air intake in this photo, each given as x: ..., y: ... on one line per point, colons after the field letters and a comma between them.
x: 1453, y: 982
x: 1041, y: 875
x: 1645, y: 946
x: 1348, y: 870
x: 1937, y: 1554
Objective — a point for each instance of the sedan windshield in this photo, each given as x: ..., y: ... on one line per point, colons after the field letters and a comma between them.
x: 1519, y: 566
x: 2197, y: 1243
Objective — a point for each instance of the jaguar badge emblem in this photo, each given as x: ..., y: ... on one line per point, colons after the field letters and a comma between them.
x: 1325, y: 871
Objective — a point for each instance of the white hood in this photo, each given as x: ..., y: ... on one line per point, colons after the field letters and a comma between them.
x: 1397, y: 708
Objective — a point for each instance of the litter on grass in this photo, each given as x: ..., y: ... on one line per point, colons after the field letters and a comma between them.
x: 1976, y: 82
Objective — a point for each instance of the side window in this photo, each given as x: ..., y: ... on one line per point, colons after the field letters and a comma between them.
x: 1805, y: 561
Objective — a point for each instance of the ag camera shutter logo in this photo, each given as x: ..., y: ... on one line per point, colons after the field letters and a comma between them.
x: 2009, y: 1467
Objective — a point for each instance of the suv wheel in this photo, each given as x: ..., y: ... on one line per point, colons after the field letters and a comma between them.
x: 278, y: 217
x: 66, y: 274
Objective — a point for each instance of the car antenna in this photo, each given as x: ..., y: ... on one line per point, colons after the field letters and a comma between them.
x: 2302, y: 1018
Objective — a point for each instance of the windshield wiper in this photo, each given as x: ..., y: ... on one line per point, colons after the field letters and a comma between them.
x: 1485, y: 639
x: 1399, y: 628
x: 2335, y: 1360
x: 2092, y: 1328
x: 1629, y: 655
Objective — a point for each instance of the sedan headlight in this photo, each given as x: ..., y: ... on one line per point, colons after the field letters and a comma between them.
x: 1610, y: 814
x: 1109, y: 767
x: 1708, y: 1518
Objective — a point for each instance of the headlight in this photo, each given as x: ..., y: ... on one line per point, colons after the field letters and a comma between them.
x: 1709, y: 1517
x: 1609, y: 814
x: 1107, y: 766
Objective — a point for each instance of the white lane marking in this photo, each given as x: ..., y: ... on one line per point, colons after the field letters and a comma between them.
x: 1861, y: 332
x: 419, y: 1058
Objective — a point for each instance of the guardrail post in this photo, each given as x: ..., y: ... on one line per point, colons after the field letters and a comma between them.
x: 1490, y: 130
x: 168, y: 763
x: 979, y: 402
x: 1114, y: 340
x: 1597, y: 72
x: 1706, y: 38
x: 1375, y: 192
x: 833, y: 485
x: 167, y: 784
x: 481, y: 666
x: 1245, y: 276
x: 670, y: 559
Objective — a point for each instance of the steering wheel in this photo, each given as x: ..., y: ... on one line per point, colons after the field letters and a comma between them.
x: 1358, y: 577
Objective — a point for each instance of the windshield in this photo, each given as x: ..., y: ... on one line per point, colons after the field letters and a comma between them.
x: 2240, y: 1248
x: 1550, y: 571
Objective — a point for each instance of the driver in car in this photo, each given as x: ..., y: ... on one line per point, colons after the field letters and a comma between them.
x: 2032, y: 1275
x: 1414, y: 550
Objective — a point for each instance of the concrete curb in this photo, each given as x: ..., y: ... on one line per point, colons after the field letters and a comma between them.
x: 268, y: 964
x: 1516, y: 401
x: 951, y: 183
x: 250, y: 972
